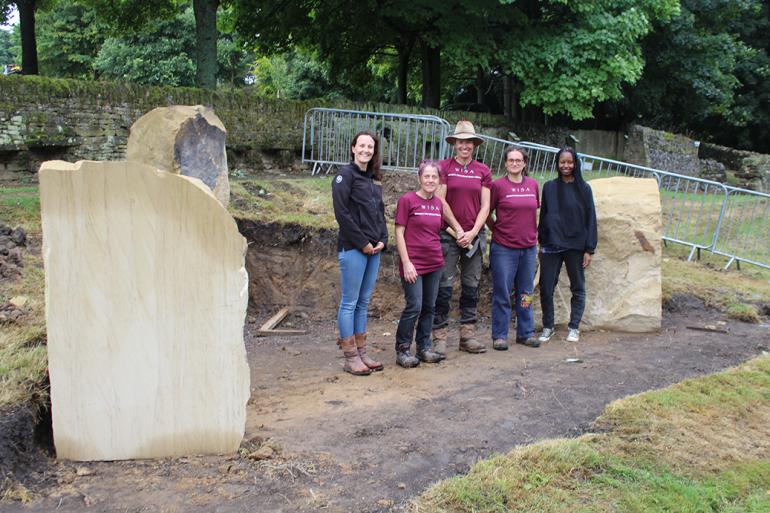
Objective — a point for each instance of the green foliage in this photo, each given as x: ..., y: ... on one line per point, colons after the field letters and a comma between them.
x: 576, y: 54
x: 295, y: 74
x: 133, y: 15
x: 161, y: 53
x: 7, y: 53
x: 69, y: 37
x: 707, y: 70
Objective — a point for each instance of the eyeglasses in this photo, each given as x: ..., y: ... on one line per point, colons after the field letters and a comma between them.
x: 515, y: 161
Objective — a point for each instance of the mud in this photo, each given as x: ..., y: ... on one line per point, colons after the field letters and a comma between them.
x: 371, y: 444
x: 367, y: 444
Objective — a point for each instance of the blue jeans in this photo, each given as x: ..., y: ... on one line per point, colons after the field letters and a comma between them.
x: 420, y: 299
x: 358, y: 274
x: 513, y: 270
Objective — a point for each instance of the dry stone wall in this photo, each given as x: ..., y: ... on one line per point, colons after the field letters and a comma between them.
x: 44, y: 118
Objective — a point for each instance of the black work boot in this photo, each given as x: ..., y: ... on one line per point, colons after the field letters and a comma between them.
x: 405, y: 359
x: 428, y: 356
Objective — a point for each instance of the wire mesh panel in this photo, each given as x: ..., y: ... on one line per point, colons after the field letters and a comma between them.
x: 405, y: 139
x: 744, y: 230
x: 698, y: 213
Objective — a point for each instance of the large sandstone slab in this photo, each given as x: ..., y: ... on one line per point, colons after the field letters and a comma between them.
x: 186, y: 140
x: 624, y: 279
x: 146, y: 295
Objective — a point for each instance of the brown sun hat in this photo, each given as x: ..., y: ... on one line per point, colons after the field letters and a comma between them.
x: 464, y: 130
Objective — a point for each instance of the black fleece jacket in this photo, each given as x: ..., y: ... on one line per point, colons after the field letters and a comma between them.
x: 359, y: 209
x: 568, y: 215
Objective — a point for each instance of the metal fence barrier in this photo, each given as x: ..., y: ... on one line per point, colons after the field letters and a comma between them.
x: 698, y: 213
x: 405, y: 139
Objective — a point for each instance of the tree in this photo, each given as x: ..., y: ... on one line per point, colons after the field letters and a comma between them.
x: 134, y: 14
x: 564, y: 56
x: 159, y: 54
x: 69, y: 38
x: 6, y: 48
x: 27, y: 10
x: 709, y: 76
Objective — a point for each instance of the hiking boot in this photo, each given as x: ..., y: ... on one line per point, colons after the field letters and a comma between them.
x: 361, y: 346
x: 573, y: 335
x: 546, y: 335
x: 439, y: 342
x: 353, y: 363
x: 429, y: 356
x: 406, y: 360
x: 468, y: 342
x: 529, y: 341
x: 500, y: 344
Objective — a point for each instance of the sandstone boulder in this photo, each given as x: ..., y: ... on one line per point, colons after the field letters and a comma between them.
x: 186, y: 140
x: 624, y: 279
x: 146, y: 295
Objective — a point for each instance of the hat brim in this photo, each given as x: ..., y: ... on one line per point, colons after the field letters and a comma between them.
x: 452, y: 139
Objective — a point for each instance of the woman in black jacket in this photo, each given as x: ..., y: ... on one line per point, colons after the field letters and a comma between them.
x: 360, y: 213
x: 567, y: 235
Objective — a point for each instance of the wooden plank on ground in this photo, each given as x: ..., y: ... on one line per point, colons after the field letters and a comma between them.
x: 267, y: 333
x: 273, y: 321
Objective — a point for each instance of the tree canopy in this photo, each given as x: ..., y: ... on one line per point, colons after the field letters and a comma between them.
x: 699, y: 66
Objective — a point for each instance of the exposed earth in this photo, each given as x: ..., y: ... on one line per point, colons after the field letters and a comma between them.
x: 318, y: 439
x: 365, y: 444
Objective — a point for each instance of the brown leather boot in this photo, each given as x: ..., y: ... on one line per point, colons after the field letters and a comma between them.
x: 361, y: 345
x: 468, y: 342
x: 353, y: 363
x: 439, y: 341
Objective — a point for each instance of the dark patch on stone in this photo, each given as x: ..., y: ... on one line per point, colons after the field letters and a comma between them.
x: 644, y: 242
x: 199, y: 150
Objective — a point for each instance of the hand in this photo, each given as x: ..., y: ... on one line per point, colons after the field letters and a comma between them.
x: 379, y: 247
x: 466, y: 239
x: 368, y: 249
x: 410, y: 273
x: 587, y: 259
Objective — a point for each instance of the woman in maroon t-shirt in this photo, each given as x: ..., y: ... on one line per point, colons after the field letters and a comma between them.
x: 418, y: 223
x: 513, y: 253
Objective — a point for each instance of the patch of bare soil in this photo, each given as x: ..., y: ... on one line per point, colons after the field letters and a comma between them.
x: 366, y: 444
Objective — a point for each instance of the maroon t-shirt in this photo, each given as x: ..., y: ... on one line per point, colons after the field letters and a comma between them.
x: 463, y: 188
x: 515, y: 206
x: 421, y: 219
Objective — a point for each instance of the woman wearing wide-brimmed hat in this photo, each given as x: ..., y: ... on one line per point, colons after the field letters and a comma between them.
x: 465, y: 189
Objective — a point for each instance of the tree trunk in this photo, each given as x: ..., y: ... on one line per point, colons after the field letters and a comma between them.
x: 404, y: 52
x: 479, y: 85
x: 206, y: 42
x: 431, y: 76
x: 507, y: 97
x: 28, y: 41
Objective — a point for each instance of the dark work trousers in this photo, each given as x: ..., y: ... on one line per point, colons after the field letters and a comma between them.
x: 420, y: 302
x: 456, y: 260
x: 550, y: 267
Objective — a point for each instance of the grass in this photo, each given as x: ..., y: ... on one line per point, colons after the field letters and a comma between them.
x: 702, y: 445
x: 23, y: 359
x: 733, y: 291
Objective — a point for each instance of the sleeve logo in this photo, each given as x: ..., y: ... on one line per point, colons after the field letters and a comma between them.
x: 339, y: 179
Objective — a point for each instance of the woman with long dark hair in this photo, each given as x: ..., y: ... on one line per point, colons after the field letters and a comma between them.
x: 513, y: 253
x: 360, y: 213
x: 567, y: 234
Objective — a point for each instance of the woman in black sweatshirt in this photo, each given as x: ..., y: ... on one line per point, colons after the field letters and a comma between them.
x: 360, y: 213
x: 567, y: 235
